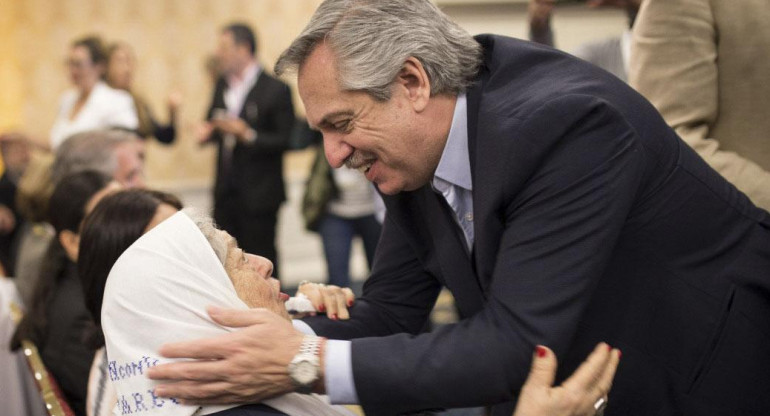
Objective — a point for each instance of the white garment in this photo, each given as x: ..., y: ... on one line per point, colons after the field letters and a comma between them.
x: 355, y: 195
x: 101, y: 396
x: 237, y: 89
x: 105, y: 107
x: 157, y: 292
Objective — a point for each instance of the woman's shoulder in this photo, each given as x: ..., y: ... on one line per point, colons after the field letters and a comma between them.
x: 103, y: 92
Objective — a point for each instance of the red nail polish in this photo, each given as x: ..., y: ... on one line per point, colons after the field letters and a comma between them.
x: 350, y: 303
x: 334, y: 316
x: 321, y: 308
x: 541, y: 352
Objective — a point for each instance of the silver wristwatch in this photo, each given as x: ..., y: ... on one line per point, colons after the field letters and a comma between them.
x: 304, y: 369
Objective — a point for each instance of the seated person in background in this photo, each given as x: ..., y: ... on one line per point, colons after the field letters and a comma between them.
x: 114, y: 153
x: 15, y: 150
x: 56, y: 321
x: 149, y: 272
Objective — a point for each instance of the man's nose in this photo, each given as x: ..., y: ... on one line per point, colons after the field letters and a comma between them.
x: 336, y: 150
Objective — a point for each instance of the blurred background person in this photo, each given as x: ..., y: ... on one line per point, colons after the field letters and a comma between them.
x: 611, y: 54
x: 114, y: 153
x: 340, y: 204
x: 56, y: 320
x: 91, y: 104
x: 250, y: 120
x: 704, y: 65
x: 121, y: 67
x: 15, y: 149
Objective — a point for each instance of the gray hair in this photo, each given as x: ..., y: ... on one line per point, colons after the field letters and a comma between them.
x: 209, y: 230
x: 90, y: 150
x: 373, y: 38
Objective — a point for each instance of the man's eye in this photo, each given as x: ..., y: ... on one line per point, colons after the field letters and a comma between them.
x: 341, y: 126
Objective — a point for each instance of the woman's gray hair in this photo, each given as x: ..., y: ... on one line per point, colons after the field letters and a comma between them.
x: 373, y: 38
x: 209, y: 229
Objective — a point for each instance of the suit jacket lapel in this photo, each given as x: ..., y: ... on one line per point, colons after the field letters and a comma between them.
x: 454, y: 259
x: 483, y: 253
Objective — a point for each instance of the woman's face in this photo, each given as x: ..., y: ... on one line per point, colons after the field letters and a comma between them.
x: 120, y: 69
x: 252, y: 277
x: 84, y: 74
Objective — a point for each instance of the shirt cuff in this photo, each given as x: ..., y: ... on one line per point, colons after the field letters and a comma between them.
x: 338, y: 372
x: 303, y: 327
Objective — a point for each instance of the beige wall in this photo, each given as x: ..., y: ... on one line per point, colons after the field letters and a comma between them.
x: 172, y: 38
x: 10, y: 69
x: 573, y: 24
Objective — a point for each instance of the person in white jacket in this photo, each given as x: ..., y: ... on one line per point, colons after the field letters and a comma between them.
x: 91, y: 104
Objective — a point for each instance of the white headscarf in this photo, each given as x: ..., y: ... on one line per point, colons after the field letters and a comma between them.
x: 157, y: 292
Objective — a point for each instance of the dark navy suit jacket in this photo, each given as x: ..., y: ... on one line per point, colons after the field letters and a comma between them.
x: 593, y: 222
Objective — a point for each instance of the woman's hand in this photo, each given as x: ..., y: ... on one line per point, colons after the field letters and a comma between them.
x: 578, y: 395
x: 333, y: 300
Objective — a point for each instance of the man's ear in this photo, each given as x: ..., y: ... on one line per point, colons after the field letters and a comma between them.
x: 414, y: 80
x: 70, y: 241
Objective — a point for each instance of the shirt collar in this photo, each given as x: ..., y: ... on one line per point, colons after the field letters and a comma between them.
x: 248, y: 76
x: 455, y: 166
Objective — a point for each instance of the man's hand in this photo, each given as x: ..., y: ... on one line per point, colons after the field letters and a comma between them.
x: 577, y: 395
x: 232, y: 125
x: 246, y: 366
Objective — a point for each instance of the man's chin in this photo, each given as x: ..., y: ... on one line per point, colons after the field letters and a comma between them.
x: 389, y: 188
x: 388, y: 191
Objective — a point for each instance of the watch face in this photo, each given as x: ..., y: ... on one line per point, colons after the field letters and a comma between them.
x: 305, y: 372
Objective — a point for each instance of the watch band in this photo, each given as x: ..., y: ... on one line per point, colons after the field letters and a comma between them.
x: 311, y: 344
x: 304, y: 369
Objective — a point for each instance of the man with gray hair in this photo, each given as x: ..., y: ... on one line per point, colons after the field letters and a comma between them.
x: 548, y: 196
x: 116, y: 153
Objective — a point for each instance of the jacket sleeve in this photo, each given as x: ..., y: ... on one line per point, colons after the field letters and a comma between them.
x: 557, y: 238
x: 398, y: 296
x: 274, y: 135
x: 674, y: 64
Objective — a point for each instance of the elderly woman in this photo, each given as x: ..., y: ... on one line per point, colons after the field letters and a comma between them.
x: 91, y: 104
x: 149, y: 273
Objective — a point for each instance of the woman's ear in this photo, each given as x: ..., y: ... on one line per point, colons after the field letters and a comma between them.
x: 70, y: 241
